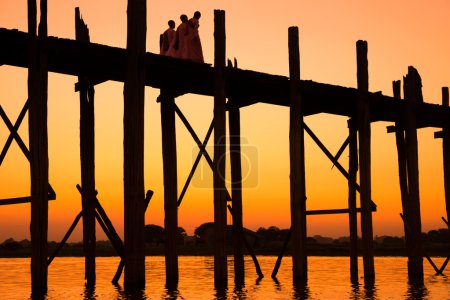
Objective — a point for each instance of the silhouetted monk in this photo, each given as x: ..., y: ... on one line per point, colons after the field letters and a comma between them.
x: 180, y: 44
x: 195, y: 51
x: 168, y: 40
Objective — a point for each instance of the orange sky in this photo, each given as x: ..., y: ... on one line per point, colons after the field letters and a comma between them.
x: 399, y: 34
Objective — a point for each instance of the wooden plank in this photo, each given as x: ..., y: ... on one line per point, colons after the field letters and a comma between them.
x: 363, y: 125
x: 220, y: 201
x: 236, y: 193
x: 37, y: 129
x: 352, y: 210
x: 169, y: 152
x: 133, y: 143
x: 297, y: 163
x: 413, y: 94
x: 87, y: 159
x: 446, y: 153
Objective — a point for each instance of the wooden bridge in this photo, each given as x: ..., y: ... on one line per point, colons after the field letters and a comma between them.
x: 94, y: 64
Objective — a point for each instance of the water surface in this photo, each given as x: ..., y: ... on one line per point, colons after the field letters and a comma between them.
x: 328, y: 279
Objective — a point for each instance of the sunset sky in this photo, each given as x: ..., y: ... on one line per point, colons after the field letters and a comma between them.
x: 399, y: 34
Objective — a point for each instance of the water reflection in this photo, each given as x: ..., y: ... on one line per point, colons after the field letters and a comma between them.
x: 370, y: 291
x: 171, y: 291
x: 416, y: 292
x: 239, y: 292
x: 220, y: 289
x: 300, y: 289
x: 355, y: 292
x: 89, y: 293
x: 129, y: 294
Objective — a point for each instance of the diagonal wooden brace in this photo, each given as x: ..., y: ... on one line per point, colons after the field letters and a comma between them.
x: 332, y: 158
x: 199, y: 144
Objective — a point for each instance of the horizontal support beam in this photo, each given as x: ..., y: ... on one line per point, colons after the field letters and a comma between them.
x: 331, y: 211
x: 439, y: 135
x: 71, y: 57
x: 21, y: 200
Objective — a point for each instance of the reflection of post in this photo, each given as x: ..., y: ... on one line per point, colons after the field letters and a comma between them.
x: 236, y: 192
x: 297, y: 163
x: 133, y: 142
x: 412, y: 91
x: 87, y: 156
x: 220, y: 201
x: 352, y: 215
x: 446, y: 153
x: 364, y: 161
x: 169, y: 146
x: 37, y: 129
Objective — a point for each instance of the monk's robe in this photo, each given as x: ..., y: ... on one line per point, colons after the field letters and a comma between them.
x: 180, y: 44
x: 168, y: 40
x: 195, y: 51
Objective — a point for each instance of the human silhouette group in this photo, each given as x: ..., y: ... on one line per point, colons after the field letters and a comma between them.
x: 184, y: 42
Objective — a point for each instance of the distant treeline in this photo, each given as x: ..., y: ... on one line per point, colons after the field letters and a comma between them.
x: 265, y: 241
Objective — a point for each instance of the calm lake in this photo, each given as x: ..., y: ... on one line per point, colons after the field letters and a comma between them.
x: 328, y: 279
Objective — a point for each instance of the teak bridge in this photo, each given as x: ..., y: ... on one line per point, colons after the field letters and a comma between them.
x: 94, y: 64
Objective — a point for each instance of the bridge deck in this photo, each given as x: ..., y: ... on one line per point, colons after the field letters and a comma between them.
x: 101, y: 63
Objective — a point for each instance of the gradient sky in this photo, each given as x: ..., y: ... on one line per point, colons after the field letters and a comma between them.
x: 399, y: 34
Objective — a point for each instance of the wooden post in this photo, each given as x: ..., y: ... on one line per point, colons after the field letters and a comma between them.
x: 413, y: 94
x: 169, y: 150
x: 297, y: 162
x: 87, y: 155
x: 220, y: 201
x: 352, y: 215
x: 133, y: 142
x: 364, y: 161
x: 446, y: 153
x: 402, y: 171
x: 38, y: 142
x: 236, y: 193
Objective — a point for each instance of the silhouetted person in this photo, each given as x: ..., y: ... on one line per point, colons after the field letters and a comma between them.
x: 180, y: 44
x: 168, y: 40
x: 195, y: 51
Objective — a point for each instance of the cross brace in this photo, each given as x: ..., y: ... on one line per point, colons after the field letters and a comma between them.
x: 15, y: 136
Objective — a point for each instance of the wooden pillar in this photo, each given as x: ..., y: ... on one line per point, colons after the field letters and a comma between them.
x: 38, y: 142
x: 236, y: 193
x: 413, y: 95
x: 364, y: 161
x: 297, y: 163
x: 220, y: 201
x: 446, y: 154
x: 402, y: 171
x: 87, y: 155
x: 169, y: 150
x: 133, y: 142
x: 352, y: 216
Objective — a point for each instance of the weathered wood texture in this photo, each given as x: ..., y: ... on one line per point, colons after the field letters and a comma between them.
x: 38, y: 142
x: 133, y: 143
x: 297, y: 162
x: 169, y: 153
x: 220, y: 200
x: 446, y: 153
x: 363, y: 125
x: 352, y: 210
x: 412, y: 85
x: 401, y: 156
x: 109, y: 63
x: 87, y: 156
x: 236, y: 193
